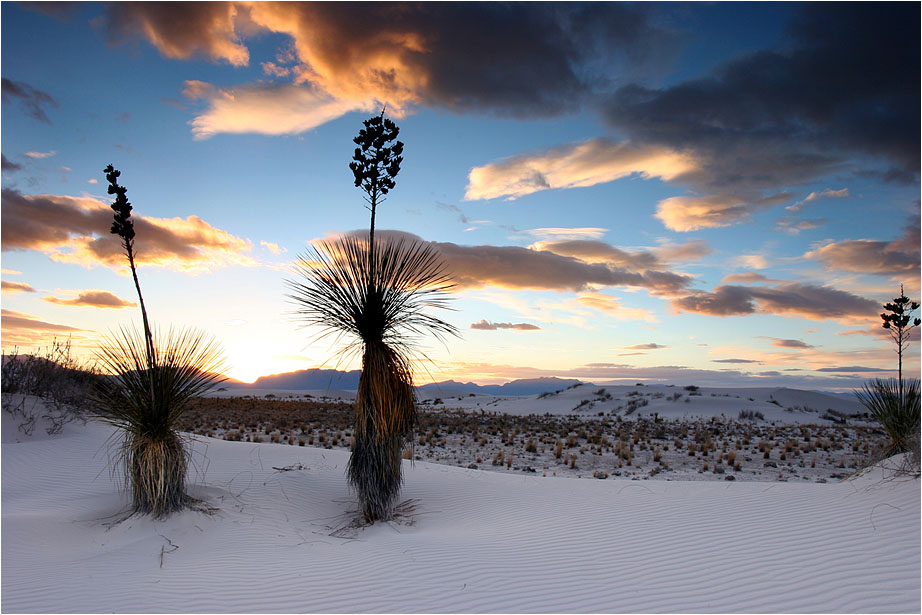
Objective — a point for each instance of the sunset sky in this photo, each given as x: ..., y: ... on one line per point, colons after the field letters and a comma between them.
x: 712, y: 194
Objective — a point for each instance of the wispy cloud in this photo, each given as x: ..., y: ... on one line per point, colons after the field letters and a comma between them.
x: 484, y: 325
x: 266, y: 109
x: 572, y: 166
x: 690, y: 213
x: 650, y: 346
x: 40, y: 155
x: 559, y: 233
x: 25, y: 330
x: 33, y: 101
x: 788, y: 343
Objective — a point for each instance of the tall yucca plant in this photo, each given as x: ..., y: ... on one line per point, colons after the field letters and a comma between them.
x: 375, y: 296
x: 153, y: 378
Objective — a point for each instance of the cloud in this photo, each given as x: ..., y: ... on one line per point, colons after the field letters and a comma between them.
x: 753, y: 261
x: 690, y: 213
x: 693, y: 250
x: 93, y: 298
x: 573, y: 165
x: 524, y: 268
x: 40, y: 155
x: 844, y: 92
x: 525, y: 62
x: 747, y: 277
x: 650, y: 346
x: 32, y: 100
x: 600, y: 252
x: 785, y: 299
x: 612, y: 307
x: 76, y: 230
x: 275, y: 109
x: 828, y: 193
x: 854, y: 369
x: 181, y: 32
x: 16, y: 287
x: 790, y: 344
x: 8, y: 165
x: 741, y: 361
x: 566, y: 233
x: 484, y: 325
x: 20, y: 329
x: 273, y: 247
x: 892, y: 258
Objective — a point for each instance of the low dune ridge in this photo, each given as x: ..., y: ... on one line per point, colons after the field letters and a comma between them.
x: 282, y: 536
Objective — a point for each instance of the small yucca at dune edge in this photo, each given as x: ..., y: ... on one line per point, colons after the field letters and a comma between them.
x: 899, y: 415
x: 146, y: 403
x: 377, y: 302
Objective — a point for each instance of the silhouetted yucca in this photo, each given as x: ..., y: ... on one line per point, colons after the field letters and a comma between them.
x: 150, y: 388
x: 375, y: 297
x: 899, y: 416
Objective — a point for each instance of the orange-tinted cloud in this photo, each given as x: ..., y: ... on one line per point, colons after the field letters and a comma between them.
x: 26, y: 331
x: 574, y: 165
x: 784, y: 299
x: 16, y: 287
x: 611, y: 307
x: 267, y: 109
x: 76, y: 230
x: 93, y: 298
x: 181, y: 31
x: 690, y: 213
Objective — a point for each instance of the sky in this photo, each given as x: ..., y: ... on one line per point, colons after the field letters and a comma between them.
x: 718, y: 194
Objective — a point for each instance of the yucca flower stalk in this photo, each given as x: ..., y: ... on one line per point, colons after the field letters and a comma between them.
x: 375, y: 297
x: 152, y: 379
x: 896, y: 406
x: 145, y: 403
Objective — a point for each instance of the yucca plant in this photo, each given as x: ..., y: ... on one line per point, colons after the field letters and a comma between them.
x: 152, y: 379
x: 895, y: 405
x: 375, y: 296
x: 152, y: 383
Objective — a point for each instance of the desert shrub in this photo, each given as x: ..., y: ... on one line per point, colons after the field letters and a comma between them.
x: 58, y: 379
x: 149, y: 389
x: 898, y: 415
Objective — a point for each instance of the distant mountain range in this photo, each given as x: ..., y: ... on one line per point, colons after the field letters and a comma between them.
x: 323, y: 379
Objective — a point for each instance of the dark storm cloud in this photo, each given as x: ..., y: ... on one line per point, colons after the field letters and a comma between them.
x: 33, y: 101
x: 848, y: 85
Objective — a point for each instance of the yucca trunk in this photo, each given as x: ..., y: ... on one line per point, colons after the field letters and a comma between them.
x: 157, y: 473
x: 385, y: 408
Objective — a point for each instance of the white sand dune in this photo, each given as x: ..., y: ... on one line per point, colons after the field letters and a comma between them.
x: 470, y: 541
